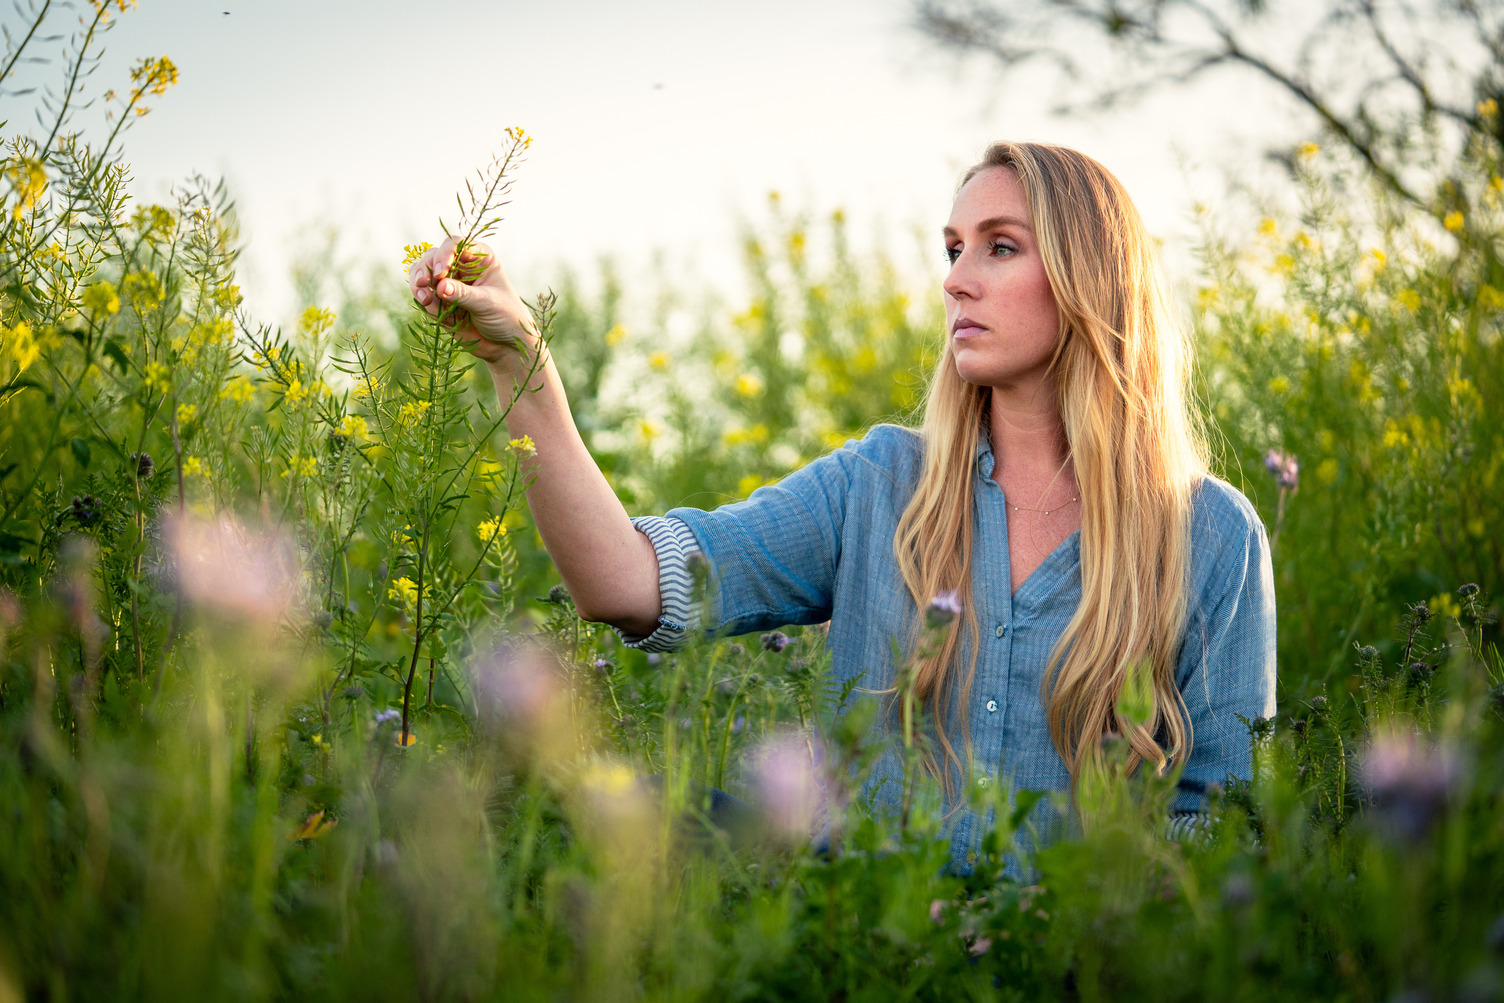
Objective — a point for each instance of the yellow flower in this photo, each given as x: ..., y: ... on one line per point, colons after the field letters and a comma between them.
x: 1453, y: 221
x: 1490, y: 298
x: 315, y: 321
x: 1394, y: 436
x: 658, y: 360
x: 227, y: 297
x: 1279, y: 385
x: 404, y: 592
x: 749, y: 484
x: 412, y: 412
x: 194, y: 467
x: 1283, y: 264
x: 23, y: 347
x: 1307, y: 151
x: 240, y: 390
x: 186, y: 413
x: 301, y: 466
x: 748, y: 385
x: 153, y: 76
x: 412, y: 252
x: 295, y: 393
x: 1409, y: 299
x: 1488, y: 108
x: 490, y: 530
x: 523, y: 446
x: 519, y: 137
x: 1445, y: 606
x: 353, y: 426
x: 28, y: 180
x: 145, y: 290
x: 648, y: 430
x: 367, y: 386
x: 158, y: 377
x: 616, y: 335
x: 1380, y: 259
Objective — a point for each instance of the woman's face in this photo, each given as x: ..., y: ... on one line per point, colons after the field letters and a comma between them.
x: 1000, y: 313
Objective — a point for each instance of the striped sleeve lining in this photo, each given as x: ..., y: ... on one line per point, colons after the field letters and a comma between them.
x: 1184, y: 826
x: 675, y: 545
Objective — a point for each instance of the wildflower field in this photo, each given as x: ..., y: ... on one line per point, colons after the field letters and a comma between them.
x: 292, y: 706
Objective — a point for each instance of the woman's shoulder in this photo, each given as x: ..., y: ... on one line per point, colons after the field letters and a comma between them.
x: 1228, y: 539
x: 890, y: 451
x: 1219, y: 508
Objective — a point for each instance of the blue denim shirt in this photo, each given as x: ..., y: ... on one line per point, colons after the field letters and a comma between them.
x: 818, y: 546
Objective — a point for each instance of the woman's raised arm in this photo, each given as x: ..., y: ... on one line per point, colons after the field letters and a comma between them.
x: 610, y: 569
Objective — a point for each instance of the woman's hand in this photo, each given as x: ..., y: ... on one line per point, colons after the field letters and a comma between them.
x: 477, y: 300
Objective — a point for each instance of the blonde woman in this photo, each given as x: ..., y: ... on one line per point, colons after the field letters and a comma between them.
x: 1058, y: 486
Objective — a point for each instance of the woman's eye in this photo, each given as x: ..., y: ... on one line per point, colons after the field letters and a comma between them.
x: 1002, y: 250
x: 951, y: 254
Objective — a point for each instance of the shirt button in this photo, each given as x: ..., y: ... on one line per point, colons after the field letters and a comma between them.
x: 992, y: 706
x: 1002, y: 629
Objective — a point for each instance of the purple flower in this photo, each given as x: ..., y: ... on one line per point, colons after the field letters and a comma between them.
x: 775, y: 641
x: 944, y: 608
x: 1284, y: 467
x: 388, y: 717
x: 1409, y: 782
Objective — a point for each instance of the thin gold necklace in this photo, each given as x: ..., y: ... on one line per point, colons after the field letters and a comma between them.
x: 1057, y: 508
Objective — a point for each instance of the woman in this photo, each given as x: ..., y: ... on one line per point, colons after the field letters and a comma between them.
x: 1058, y: 484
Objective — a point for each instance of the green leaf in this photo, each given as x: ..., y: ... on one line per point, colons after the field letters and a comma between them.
x: 113, y: 349
x: 1025, y: 802
x: 81, y: 451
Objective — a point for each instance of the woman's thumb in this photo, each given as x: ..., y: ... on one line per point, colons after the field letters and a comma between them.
x: 454, y: 292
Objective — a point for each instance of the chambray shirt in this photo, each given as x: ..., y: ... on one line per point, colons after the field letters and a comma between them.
x: 818, y: 546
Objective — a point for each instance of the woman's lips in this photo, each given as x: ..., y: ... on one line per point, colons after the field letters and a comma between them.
x: 963, y: 328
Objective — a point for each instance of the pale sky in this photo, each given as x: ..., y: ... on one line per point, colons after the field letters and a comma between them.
x: 657, y: 124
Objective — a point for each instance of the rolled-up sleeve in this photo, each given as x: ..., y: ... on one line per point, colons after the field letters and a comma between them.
x: 771, y: 559
x: 675, y: 546
x: 1226, y: 669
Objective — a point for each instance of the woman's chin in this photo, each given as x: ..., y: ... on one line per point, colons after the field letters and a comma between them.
x: 975, y: 370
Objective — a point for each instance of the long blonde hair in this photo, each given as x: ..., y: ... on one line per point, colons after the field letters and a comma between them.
x: 1121, y: 375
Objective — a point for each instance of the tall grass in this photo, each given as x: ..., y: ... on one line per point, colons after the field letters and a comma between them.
x: 292, y: 708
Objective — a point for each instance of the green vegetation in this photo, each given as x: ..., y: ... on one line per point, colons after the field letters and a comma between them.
x: 291, y: 708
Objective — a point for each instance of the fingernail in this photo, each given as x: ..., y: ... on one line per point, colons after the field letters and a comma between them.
x: 423, y: 296
x: 446, y: 289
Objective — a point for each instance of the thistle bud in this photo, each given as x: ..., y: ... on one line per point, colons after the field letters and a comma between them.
x: 775, y: 641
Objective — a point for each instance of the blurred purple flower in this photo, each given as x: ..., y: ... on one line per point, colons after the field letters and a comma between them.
x: 944, y: 608
x: 1284, y: 467
x: 388, y: 717
x: 787, y: 784
x: 1409, y: 782
x: 775, y: 641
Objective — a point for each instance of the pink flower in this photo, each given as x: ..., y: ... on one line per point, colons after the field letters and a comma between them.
x: 226, y: 566
x: 788, y: 784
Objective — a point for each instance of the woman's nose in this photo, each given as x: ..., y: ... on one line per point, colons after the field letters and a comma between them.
x: 959, y: 281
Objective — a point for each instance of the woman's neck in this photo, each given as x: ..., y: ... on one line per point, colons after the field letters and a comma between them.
x: 1028, y: 435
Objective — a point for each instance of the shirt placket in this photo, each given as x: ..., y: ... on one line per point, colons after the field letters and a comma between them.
x: 996, y: 615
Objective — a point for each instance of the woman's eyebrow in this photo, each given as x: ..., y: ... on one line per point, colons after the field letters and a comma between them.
x: 991, y: 223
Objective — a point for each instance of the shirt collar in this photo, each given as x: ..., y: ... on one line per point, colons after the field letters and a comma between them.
x: 985, y: 459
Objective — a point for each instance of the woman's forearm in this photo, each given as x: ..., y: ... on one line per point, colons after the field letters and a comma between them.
x: 610, y: 569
